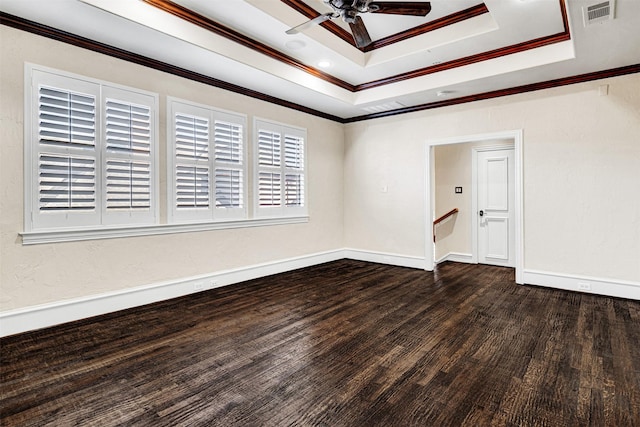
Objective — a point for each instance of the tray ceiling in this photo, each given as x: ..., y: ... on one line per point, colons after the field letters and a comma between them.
x: 460, y: 49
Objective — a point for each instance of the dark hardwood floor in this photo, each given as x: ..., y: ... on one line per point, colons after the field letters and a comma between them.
x: 346, y: 343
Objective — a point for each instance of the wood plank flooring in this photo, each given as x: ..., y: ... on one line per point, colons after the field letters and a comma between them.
x: 346, y: 343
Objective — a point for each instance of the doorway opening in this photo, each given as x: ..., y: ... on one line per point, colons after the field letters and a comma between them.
x: 487, y: 222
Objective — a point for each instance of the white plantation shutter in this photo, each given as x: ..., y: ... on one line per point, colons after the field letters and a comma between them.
x: 269, y: 155
x: 128, y: 127
x: 66, y: 183
x: 229, y: 188
x: 294, y: 152
x: 294, y: 166
x: 90, y: 155
x: 280, y: 164
x: 128, y: 160
x: 66, y: 118
x: 228, y: 140
x: 207, y: 163
x: 192, y: 137
x: 128, y: 185
x: 269, y: 189
x: 268, y: 148
x: 128, y: 131
x: 61, y: 152
x: 294, y: 190
x: 192, y: 188
x: 229, y: 165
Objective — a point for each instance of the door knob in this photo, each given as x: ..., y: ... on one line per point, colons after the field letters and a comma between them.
x: 481, y: 213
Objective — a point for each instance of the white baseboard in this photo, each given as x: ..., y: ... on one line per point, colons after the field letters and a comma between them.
x: 456, y: 257
x: 385, y: 258
x: 45, y: 315
x: 593, y: 285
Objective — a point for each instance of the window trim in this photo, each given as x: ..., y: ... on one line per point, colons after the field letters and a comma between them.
x: 282, y: 211
x: 30, y: 149
x: 213, y: 214
x: 35, y: 236
x: 94, y: 233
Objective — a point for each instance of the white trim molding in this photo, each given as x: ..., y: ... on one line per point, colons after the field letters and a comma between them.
x: 513, y: 135
x: 457, y: 257
x: 45, y: 315
x: 385, y: 258
x: 593, y: 285
x: 51, y: 314
x: 38, y: 237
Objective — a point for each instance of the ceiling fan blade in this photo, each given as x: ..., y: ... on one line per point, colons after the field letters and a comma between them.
x: 360, y: 33
x: 317, y: 20
x: 415, y: 8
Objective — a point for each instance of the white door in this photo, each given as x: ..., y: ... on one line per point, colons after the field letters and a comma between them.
x: 496, y: 207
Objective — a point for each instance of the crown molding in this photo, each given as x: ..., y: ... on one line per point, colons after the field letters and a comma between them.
x: 224, y: 31
x: 597, y: 75
x: 210, y: 25
x: 85, y: 43
x: 310, y: 13
x: 65, y: 37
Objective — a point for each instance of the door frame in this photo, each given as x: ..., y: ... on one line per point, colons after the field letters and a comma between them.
x: 474, y: 195
x: 514, y: 135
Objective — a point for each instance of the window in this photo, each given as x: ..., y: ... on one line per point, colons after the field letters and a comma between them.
x: 279, y: 169
x: 90, y: 153
x: 206, y: 162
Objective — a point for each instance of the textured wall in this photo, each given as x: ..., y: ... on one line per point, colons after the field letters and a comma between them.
x: 366, y: 183
x: 581, y: 175
x: 38, y: 274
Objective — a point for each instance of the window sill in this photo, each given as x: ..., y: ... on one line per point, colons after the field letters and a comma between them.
x: 73, y: 235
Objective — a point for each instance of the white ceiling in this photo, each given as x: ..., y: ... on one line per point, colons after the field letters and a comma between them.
x: 141, y: 28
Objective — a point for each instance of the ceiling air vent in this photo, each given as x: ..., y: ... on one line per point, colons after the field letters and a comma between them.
x: 599, y: 12
x: 383, y: 107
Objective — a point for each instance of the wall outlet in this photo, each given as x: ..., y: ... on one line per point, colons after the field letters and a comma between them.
x: 584, y: 286
x: 198, y: 286
x: 212, y: 284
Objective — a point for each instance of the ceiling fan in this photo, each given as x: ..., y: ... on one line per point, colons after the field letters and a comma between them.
x: 349, y: 11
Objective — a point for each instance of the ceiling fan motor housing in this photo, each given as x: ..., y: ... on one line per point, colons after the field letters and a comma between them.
x: 349, y: 9
x: 349, y: 15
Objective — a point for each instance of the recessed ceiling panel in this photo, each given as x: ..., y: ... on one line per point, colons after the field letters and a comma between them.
x: 461, y: 46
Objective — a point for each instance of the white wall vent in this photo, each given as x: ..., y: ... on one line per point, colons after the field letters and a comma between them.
x: 599, y: 12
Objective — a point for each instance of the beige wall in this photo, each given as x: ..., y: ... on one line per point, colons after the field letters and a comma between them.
x: 366, y: 183
x: 44, y: 273
x: 581, y: 176
x: 380, y: 157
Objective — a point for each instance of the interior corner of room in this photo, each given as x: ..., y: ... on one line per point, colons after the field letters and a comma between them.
x: 374, y: 188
